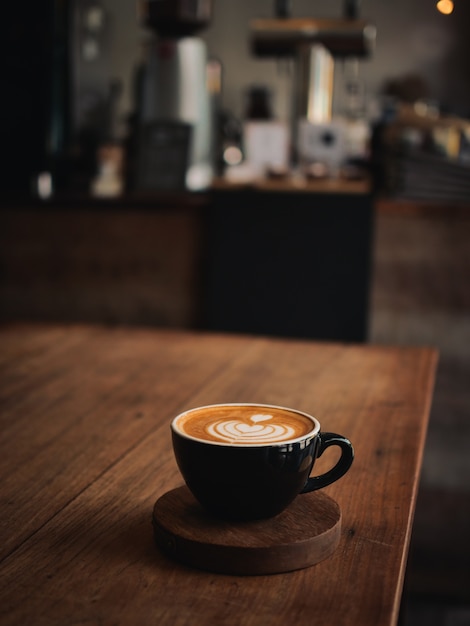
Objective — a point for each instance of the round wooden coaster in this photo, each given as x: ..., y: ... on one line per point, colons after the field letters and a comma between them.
x: 307, y: 532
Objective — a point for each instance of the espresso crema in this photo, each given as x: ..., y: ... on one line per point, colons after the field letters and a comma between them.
x: 243, y: 424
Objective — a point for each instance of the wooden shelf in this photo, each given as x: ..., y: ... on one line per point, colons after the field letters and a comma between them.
x: 294, y: 185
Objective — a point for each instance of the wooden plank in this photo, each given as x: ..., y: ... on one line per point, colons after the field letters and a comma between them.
x: 35, y: 367
x: 131, y: 266
x: 114, y: 389
x: 94, y: 558
x: 20, y: 344
x: 421, y: 208
x: 304, y: 534
x: 292, y: 184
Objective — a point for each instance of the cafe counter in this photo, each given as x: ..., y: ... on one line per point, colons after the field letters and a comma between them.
x: 282, y: 259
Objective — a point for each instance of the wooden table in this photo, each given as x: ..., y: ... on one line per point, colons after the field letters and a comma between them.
x: 85, y: 452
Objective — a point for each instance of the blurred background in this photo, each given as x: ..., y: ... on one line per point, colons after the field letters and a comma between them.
x: 197, y: 163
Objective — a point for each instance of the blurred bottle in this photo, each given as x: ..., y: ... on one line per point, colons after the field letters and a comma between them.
x: 258, y: 106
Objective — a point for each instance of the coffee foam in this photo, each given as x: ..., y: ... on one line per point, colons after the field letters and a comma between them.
x: 239, y: 424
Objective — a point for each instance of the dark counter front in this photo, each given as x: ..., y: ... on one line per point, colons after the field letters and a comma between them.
x: 293, y: 264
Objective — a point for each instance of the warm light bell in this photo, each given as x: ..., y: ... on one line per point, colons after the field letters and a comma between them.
x: 445, y: 6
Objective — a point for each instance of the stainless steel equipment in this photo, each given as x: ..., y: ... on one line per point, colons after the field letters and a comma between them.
x: 314, y: 44
x: 176, y: 134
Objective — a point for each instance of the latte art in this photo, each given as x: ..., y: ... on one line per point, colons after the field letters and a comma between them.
x: 237, y: 430
x: 239, y: 424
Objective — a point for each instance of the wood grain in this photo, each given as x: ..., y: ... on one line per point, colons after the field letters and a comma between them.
x: 121, y: 265
x: 307, y: 532
x: 89, y: 453
x: 293, y: 184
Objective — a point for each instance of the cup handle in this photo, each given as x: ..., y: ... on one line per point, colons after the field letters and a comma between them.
x: 341, y: 467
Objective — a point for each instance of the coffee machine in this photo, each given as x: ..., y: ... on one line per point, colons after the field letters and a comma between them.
x: 315, y: 44
x: 175, y: 117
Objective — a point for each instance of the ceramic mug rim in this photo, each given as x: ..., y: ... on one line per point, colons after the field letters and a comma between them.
x: 226, y: 444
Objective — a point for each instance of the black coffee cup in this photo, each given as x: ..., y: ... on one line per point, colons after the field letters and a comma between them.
x: 249, y: 461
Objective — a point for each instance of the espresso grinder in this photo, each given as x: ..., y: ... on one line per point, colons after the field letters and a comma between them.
x: 174, y: 129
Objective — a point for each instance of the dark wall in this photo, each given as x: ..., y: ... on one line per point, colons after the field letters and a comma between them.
x: 34, y: 101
